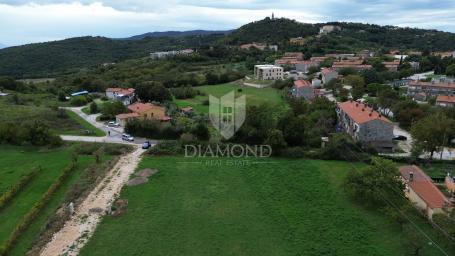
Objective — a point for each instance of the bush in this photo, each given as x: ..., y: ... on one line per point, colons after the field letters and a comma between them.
x: 166, y: 147
x: 294, y: 152
x: 78, y: 101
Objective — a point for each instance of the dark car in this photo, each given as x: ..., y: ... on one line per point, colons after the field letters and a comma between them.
x: 146, y: 145
x: 400, y: 137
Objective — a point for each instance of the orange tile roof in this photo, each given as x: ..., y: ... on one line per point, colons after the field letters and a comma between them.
x: 431, y: 84
x: 140, y: 108
x: 121, y: 91
x: 127, y: 115
x: 360, y: 112
x: 326, y: 71
x: 445, y: 98
x: 423, y: 186
x: 302, y: 83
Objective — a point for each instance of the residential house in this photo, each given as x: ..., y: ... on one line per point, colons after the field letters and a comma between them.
x: 303, y: 88
x: 392, y: 65
x: 445, y: 101
x: 318, y: 60
x: 305, y: 65
x: 354, y: 64
x: 328, y: 74
x: 444, y: 54
x: 293, y: 55
x: 297, y: 41
x: 421, y: 96
x: 431, y: 88
x: 146, y: 111
x: 126, y: 96
x: 342, y: 56
x: 187, y: 110
x: 415, y: 65
x: 268, y: 72
x: 365, y: 54
x: 162, y: 55
x: 422, y: 192
x: 365, y: 125
x: 259, y: 46
x: 329, y: 29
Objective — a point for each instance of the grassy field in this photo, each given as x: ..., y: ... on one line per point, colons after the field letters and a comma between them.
x: 254, y: 96
x: 87, y: 128
x: 17, y: 161
x: 31, y: 110
x: 283, y: 207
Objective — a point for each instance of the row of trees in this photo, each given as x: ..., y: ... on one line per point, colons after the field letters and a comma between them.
x: 33, y: 132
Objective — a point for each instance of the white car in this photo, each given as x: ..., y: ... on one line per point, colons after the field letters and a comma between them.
x: 113, y: 124
x: 127, y: 137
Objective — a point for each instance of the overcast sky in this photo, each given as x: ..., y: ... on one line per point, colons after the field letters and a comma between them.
x: 23, y: 21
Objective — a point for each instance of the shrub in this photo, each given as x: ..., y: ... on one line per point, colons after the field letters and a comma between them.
x: 166, y: 147
x: 79, y: 101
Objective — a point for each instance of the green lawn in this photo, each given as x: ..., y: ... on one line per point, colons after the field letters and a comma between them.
x: 87, y: 128
x: 254, y: 96
x: 17, y: 161
x: 283, y: 207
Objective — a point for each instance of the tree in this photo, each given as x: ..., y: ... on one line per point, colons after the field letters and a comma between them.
x: 432, y: 133
x: 358, y: 85
x: 386, y: 99
x: 93, y: 108
x: 111, y: 109
x: 450, y: 70
x: 376, y: 183
x: 201, y: 131
x: 276, y: 140
x: 153, y: 92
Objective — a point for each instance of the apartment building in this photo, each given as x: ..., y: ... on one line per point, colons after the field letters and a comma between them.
x: 431, y: 88
x: 365, y: 125
x: 268, y: 72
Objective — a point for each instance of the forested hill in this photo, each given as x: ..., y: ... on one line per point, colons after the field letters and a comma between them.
x: 50, y: 58
x: 271, y: 31
x: 179, y: 34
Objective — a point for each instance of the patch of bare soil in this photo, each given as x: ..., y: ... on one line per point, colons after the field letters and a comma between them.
x: 137, y: 181
x: 146, y: 173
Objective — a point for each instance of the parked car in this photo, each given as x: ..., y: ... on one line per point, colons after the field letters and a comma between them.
x: 400, y: 137
x: 113, y: 124
x: 146, y: 145
x: 127, y: 137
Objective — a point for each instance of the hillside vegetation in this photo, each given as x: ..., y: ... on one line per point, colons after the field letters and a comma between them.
x: 52, y: 58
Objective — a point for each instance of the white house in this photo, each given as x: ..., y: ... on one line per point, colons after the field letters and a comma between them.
x: 126, y: 96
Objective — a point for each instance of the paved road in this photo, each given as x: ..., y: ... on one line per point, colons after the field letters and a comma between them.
x: 115, y: 132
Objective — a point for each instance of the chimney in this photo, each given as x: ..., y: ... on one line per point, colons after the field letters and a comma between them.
x: 363, y: 109
x: 357, y: 104
x: 411, y: 176
x: 369, y: 114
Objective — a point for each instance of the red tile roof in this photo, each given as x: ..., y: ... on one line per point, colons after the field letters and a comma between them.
x: 445, y: 98
x: 302, y: 83
x: 121, y: 91
x: 423, y: 186
x: 431, y: 84
x: 141, y: 107
x: 360, y: 112
x: 326, y: 71
x: 127, y: 115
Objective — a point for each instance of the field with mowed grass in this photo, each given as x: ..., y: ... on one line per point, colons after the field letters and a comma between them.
x: 15, y: 163
x: 254, y: 96
x: 271, y: 207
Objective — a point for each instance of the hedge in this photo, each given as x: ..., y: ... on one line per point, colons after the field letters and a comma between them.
x: 33, y: 213
x: 16, y: 188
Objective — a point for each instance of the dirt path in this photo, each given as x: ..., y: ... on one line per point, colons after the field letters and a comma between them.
x: 76, y: 232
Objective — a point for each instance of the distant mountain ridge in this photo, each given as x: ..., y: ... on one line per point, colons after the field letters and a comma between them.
x: 178, y: 34
x: 2, y: 46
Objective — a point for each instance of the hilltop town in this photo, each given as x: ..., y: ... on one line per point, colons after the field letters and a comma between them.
x: 308, y: 139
